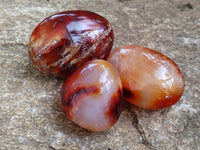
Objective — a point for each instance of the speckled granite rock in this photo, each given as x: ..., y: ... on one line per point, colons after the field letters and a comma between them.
x: 30, y: 116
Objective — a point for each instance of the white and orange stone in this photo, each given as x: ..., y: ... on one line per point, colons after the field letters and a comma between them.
x: 91, y: 97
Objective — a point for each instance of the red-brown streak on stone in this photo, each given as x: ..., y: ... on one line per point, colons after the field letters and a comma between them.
x: 115, y: 106
x: 133, y: 96
x: 101, y: 53
x: 64, y: 104
x: 82, y: 90
x: 127, y: 93
x: 67, y: 104
x: 63, y: 100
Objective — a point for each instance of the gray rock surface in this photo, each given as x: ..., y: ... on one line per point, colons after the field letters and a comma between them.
x: 30, y: 116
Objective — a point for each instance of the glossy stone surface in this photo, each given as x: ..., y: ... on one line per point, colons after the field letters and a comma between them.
x: 64, y: 41
x: 91, y: 96
x: 150, y: 79
x: 30, y: 114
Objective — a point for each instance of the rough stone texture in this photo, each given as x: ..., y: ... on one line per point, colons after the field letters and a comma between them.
x: 30, y: 116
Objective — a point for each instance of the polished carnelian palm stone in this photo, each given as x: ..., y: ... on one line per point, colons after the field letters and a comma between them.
x: 64, y: 41
x: 91, y: 96
x: 150, y: 79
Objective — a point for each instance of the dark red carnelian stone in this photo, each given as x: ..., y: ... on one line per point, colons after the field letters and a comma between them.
x: 64, y: 41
